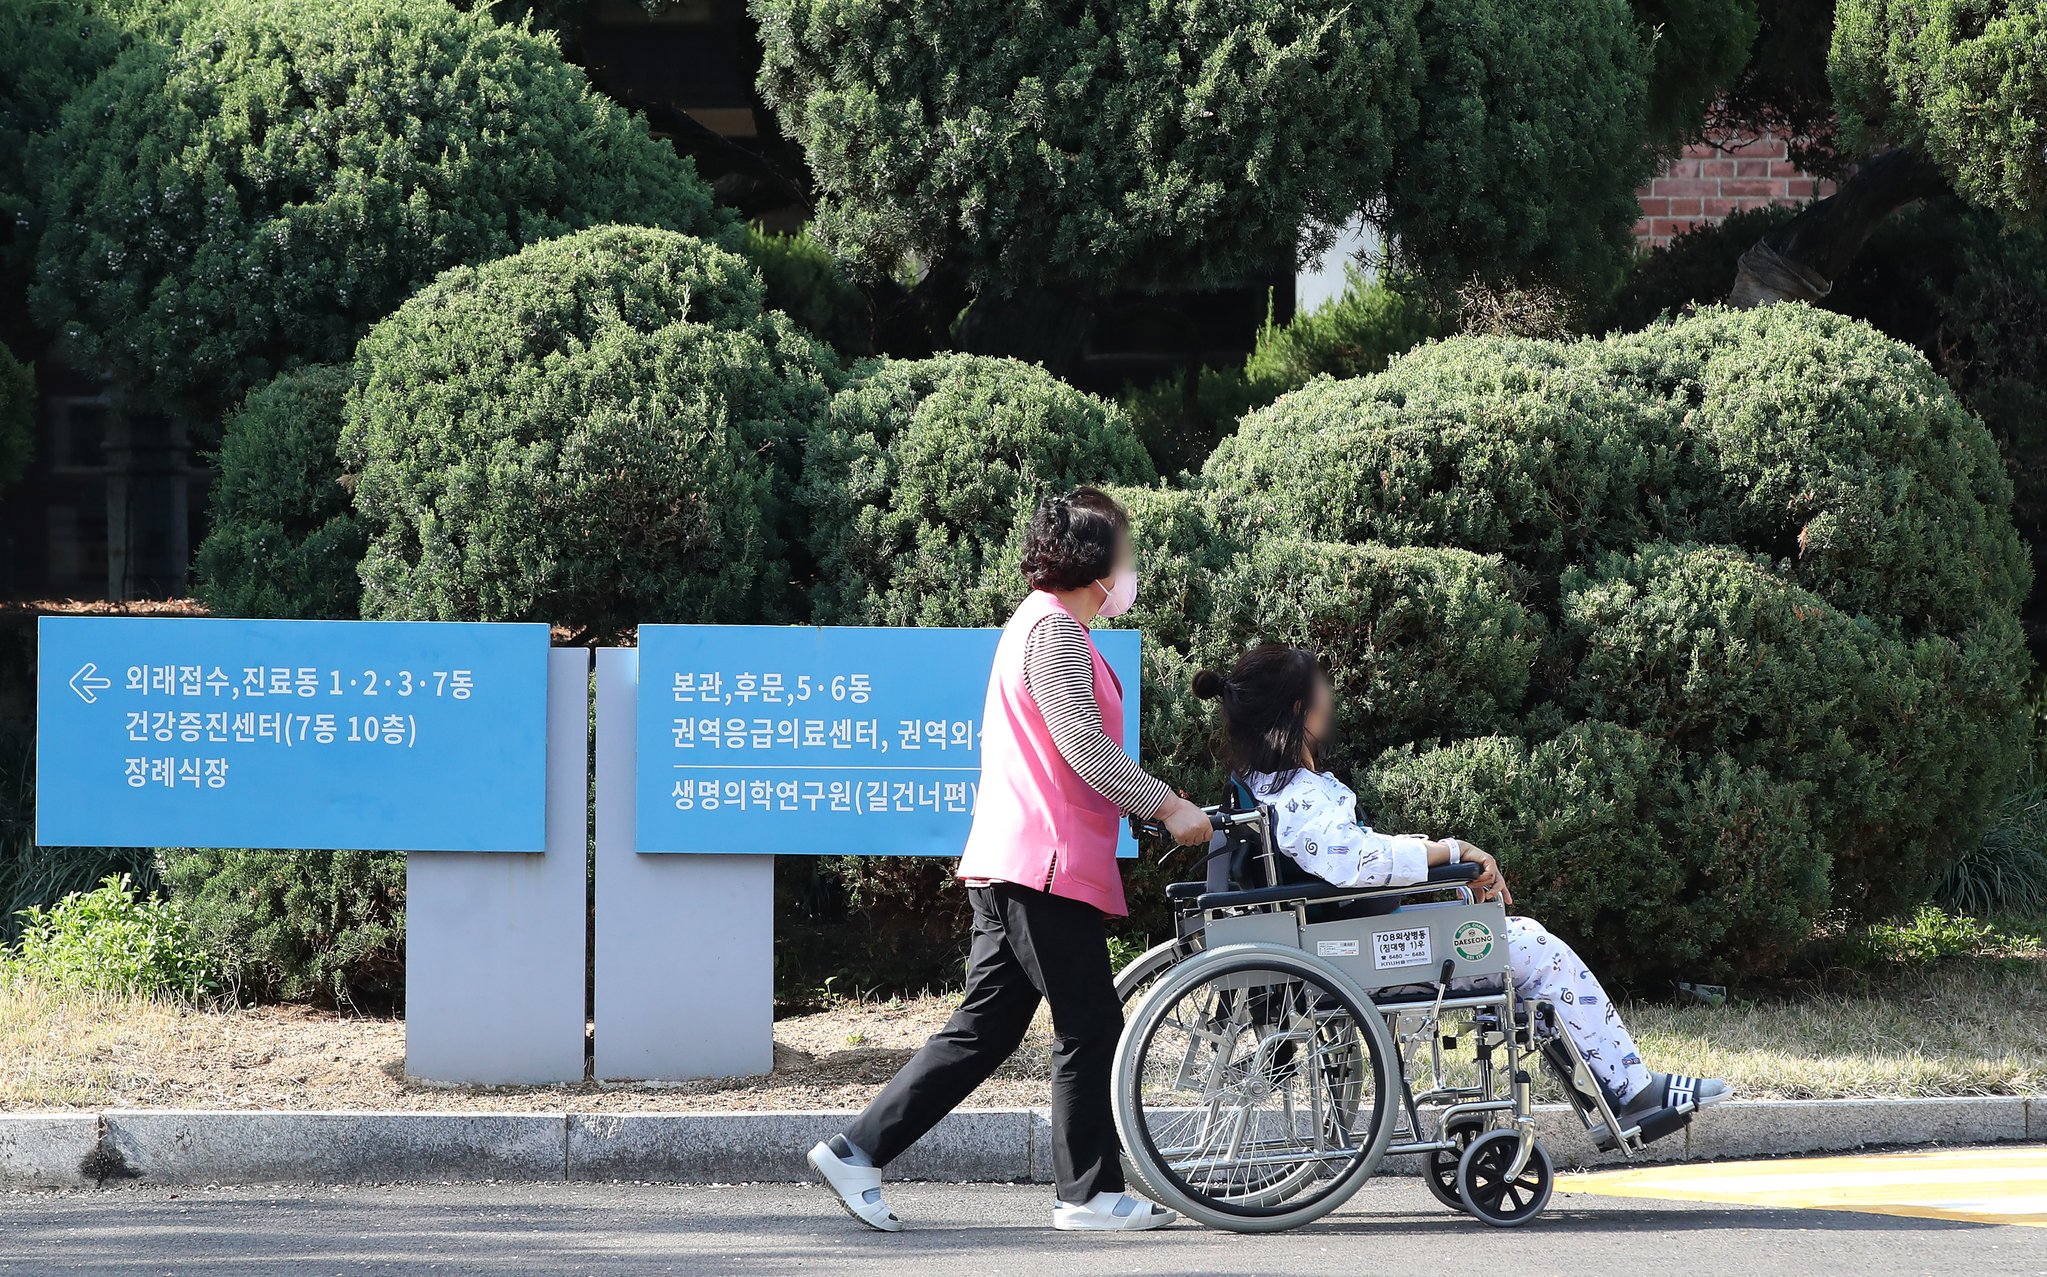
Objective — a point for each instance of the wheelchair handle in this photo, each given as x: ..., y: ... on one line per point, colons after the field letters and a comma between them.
x: 1218, y: 820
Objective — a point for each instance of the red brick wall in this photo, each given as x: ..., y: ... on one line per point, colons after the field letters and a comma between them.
x: 1714, y: 178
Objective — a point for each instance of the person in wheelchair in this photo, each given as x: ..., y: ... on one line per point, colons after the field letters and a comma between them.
x: 1278, y: 714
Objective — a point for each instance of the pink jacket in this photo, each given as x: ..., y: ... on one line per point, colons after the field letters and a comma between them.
x: 1036, y: 822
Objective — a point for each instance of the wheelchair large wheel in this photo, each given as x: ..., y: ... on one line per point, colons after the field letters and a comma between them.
x: 1143, y: 971
x: 1254, y: 1088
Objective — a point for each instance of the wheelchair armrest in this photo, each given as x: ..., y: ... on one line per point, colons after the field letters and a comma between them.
x: 1440, y: 876
x: 1184, y: 890
x: 1284, y: 893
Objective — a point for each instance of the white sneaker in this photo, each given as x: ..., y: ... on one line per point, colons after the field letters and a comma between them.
x: 858, y: 1187
x: 1110, y: 1213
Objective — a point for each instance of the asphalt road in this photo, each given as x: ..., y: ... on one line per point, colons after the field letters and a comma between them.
x: 559, y: 1230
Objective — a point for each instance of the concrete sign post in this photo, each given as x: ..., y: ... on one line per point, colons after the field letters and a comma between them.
x: 423, y: 737
x: 496, y: 942
x: 719, y: 747
x: 684, y: 961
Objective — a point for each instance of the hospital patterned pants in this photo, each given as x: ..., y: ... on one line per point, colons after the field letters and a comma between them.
x: 1545, y: 967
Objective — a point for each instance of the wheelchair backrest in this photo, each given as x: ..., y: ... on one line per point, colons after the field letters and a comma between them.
x: 1251, y: 860
x: 1243, y: 859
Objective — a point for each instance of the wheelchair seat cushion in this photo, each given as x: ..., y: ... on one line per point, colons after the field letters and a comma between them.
x: 1425, y: 992
x: 1368, y: 907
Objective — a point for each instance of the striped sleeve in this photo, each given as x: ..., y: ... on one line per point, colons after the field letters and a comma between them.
x: 1059, y: 670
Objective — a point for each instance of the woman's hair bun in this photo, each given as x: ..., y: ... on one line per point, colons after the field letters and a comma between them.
x: 1208, y: 685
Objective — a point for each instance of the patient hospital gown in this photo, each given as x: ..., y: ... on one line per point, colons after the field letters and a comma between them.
x: 1317, y: 824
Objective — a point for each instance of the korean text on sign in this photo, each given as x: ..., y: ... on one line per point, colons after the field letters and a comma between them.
x: 228, y: 733
x: 837, y: 740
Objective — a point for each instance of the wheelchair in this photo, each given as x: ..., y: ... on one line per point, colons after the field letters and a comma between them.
x: 1271, y: 1050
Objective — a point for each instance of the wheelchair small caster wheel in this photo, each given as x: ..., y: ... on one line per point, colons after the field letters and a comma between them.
x: 1486, y: 1191
x: 1439, y: 1170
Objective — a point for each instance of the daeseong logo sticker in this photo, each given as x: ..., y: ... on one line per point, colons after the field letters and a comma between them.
x: 1472, y: 940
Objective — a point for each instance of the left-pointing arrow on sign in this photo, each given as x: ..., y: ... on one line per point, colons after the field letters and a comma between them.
x: 85, y: 684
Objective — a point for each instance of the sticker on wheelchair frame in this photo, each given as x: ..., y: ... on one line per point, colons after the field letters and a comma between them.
x: 1472, y: 940
x: 1406, y: 948
x: 1336, y: 948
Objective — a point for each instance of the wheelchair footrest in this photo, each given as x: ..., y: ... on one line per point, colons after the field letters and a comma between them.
x: 1662, y: 1122
x: 1651, y: 1128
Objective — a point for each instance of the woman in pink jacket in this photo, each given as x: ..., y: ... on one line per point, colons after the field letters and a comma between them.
x: 1041, y: 874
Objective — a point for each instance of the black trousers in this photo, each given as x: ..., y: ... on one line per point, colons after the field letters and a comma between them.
x: 1027, y: 945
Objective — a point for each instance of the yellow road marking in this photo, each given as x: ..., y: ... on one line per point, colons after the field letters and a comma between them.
x: 1989, y: 1186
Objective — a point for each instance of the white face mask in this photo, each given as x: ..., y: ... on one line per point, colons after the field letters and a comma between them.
x: 1121, y: 593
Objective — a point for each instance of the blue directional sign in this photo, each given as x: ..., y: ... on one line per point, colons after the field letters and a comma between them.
x: 379, y: 735
x: 841, y: 740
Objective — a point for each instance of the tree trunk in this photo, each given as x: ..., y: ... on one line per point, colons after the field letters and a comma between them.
x: 1800, y: 260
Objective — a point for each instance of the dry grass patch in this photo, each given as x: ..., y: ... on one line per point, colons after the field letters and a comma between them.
x: 1963, y: 1028
x: 64, y: 1049
x: 1966, y: 1025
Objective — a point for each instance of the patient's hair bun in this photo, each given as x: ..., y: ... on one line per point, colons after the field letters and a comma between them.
x: 1208, y: 685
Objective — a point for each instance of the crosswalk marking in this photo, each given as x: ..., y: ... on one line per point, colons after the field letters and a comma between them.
x: 1983, y: 1185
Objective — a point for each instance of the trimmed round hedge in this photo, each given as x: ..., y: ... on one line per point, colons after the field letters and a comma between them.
x: 1963, y: 80
x: 256, y: 191
x: 284, y: 540
x: 1574, y: 815
x: 1955, y: 281
x: 597, y: 431
x: 1650, y: 862
x: 1501, y: 445
x: 299, y: 926
x: 917, y: 485
x: 1529, y: 145
x: 1007, y: 140
x: 1842, y: 454
x: 1421, y: 642
x: 1708, y: 651
x: 1706, y: 628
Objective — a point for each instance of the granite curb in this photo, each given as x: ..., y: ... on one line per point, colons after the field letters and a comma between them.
x: 118, y: 1147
